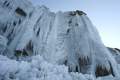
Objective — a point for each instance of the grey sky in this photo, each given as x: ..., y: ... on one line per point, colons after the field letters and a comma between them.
x: 104, y: 14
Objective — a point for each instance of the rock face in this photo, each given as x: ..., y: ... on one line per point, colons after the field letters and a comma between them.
x: 62, y: 38
x: 13, y: 16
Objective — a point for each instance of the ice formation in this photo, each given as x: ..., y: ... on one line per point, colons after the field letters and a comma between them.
x: 38, y: 69
x: 62, y: 38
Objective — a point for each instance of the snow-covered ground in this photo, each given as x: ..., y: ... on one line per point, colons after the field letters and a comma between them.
x: 38, y: 69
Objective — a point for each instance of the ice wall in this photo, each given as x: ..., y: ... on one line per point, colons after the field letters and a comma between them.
x: 60, y: 38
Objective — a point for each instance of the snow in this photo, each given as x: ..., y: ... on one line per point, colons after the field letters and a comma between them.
x: 39, y: 69
x: 3, y: 44
x: 36, y: 69
x: 3, y: 41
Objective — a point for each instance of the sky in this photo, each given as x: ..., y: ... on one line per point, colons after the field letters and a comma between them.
x: 104, y: 14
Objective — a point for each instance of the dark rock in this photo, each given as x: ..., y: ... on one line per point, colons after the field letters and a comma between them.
x: 80, y: 12
x: 38, y: 32
x: 77, y: 12
x: 20, y: 12
x: 103, y: 71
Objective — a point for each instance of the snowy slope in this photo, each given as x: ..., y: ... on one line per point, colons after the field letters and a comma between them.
x: 62, y: 38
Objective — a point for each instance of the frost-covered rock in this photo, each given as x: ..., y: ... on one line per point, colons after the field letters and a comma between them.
x: 13, y: 18
x: 60, y: 38
x: 116, y: 53
x: 36, y: 69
